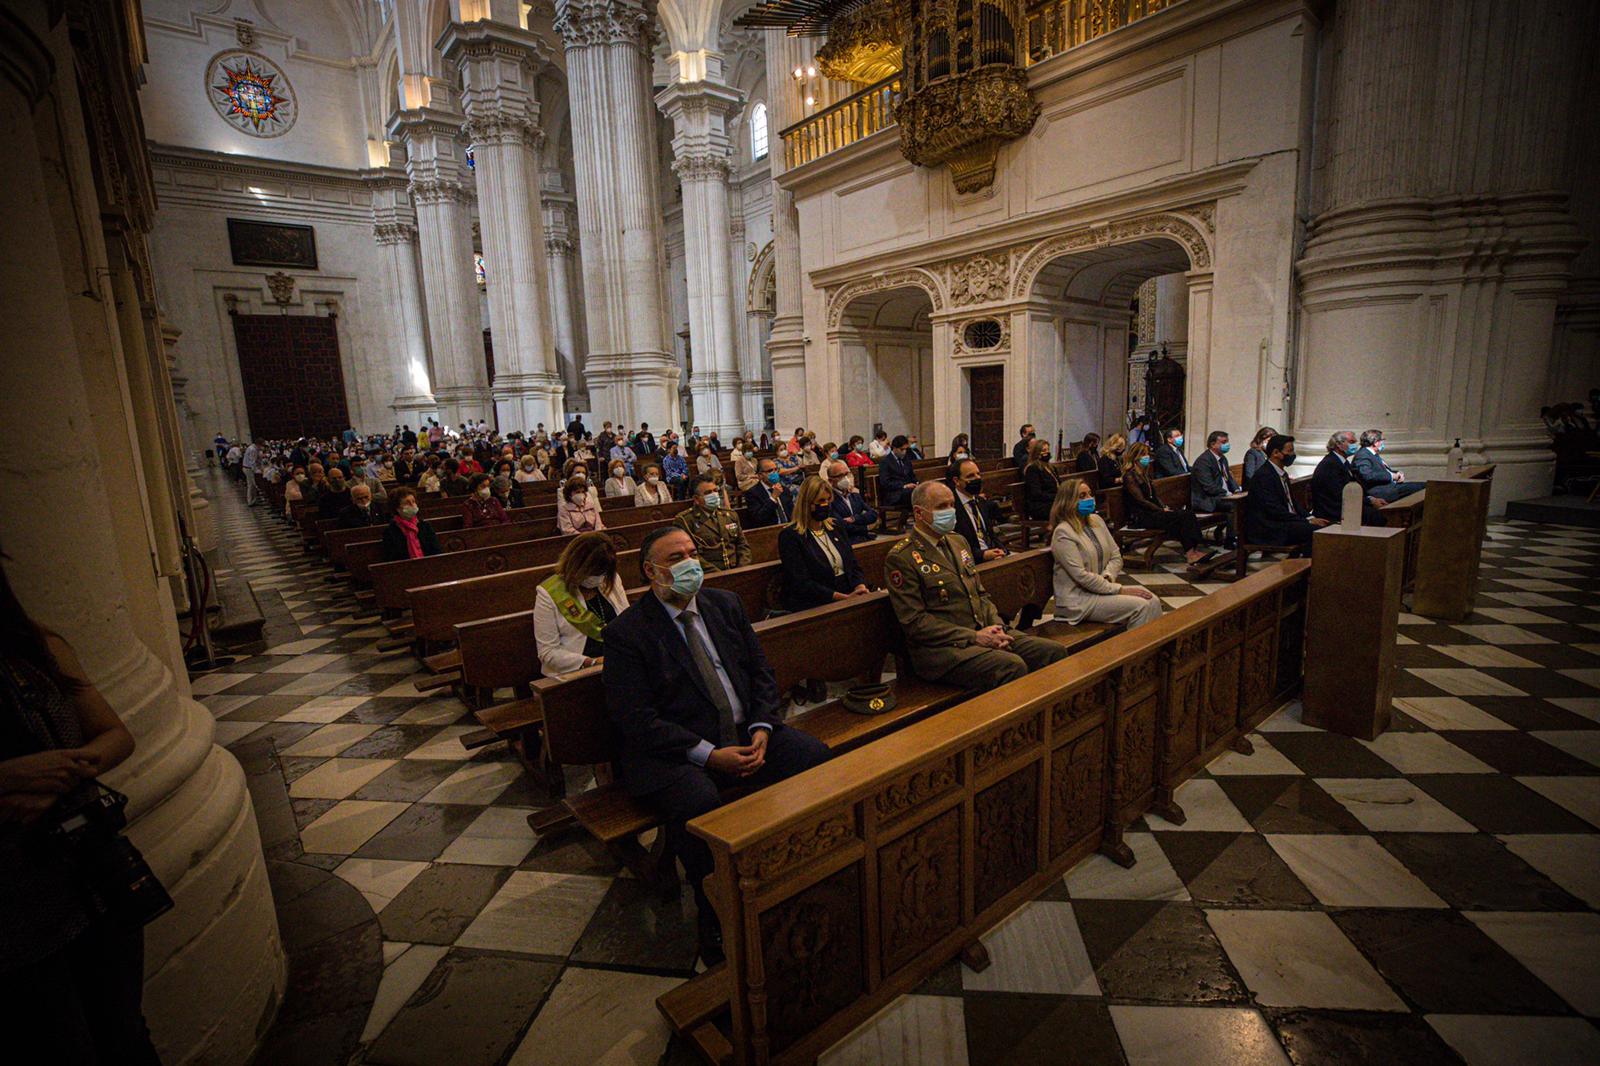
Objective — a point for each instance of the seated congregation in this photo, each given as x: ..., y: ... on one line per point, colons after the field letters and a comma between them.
x: 679, y: 628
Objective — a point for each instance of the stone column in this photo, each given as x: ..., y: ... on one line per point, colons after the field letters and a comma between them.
x: 630, y: 368
x: 786, y: 345
x: 559, y: 250
x: 394, y: 227
x: 1441, y: 237
x: 699, y: 113
x: 204, y: 531
x: 214, y: 966
x: 439, y: 190
x: 499, y: 64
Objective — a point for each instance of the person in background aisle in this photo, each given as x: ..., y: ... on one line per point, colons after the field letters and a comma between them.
x: 645, y: 442
x: 1019, y: 450
x: 1256, y: 455
x: 744, y: 467
x: 1087, y: 564
x: 620, y: 483
x: 851, y: 513
x: 1087, y: 460
x: 1378, y: 478
x: 1146, y: 511
x: 960, y: 449
x: 816, y: 562
x: 1038, y: 481
x: 480, y: 508
x: 249, y: 462
x: 652, y: 490
x: 1168, y: 459
x: 408, y: 535
x: 577, y: 511
x: 573, y: 606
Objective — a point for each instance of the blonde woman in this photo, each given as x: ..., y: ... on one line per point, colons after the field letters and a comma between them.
x: 816, y: 561
x: 1111, y: 460
x: 1087, y: 563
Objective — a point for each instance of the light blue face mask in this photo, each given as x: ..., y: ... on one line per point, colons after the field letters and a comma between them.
x: 774, y: 477
x: 944, y: 521
x: 1223, y: 448
x: 1144, y: 460
x: 713, y: 500
x: 687, y: 574
x: 1350, y: 449
x: 1177, y: 442
x: 1086, y: 507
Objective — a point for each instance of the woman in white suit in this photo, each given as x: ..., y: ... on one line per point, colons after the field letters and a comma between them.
x: 573, y: 606
x: 1088, y: 562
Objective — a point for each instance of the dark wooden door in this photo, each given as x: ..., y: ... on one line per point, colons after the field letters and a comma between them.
x: 987, y: 387
x: 293, y: 383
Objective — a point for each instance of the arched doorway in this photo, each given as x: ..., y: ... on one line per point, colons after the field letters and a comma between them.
x: 885, y: 349
x: 1081, y: 329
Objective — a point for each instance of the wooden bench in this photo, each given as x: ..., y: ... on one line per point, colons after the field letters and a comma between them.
x: 846, y: 886
x: 1239, y: 559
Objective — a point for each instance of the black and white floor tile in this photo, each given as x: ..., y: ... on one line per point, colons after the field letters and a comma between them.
x: 1427, y: 897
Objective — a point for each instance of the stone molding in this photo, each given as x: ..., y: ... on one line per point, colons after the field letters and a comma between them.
x: 596, y: 23
x: 499, y: 125
x: 430, y: 191
x: 387, y: 233
x: 556, y: 246
x: 703, y: 167
x: 840, y: 297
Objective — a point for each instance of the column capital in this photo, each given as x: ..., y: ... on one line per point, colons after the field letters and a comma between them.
x: 434, y: 155
x: 596, y: 23
x: 699, y: 100
x: 492, y: 123
x: 703, y: 166
x: 394, y: 233
x: 434, y: 190
x: 558, y: 245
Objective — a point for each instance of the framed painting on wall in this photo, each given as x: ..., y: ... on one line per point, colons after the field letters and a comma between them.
x: 272, y: 244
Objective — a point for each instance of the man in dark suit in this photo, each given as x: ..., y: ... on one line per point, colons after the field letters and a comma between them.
x: 1330, y: 478
x: 769, y: 502
x: 1019, y: 450
x: 851, y: 513
x: 646, y: 442
x: 1211, y: 482
x: 1378, y: 478
x: 361, y: 511
x: 977, y: 516
x: 896, y: 476
x: 690, y: 692
x: 1167, y: 458
x: 1270, y: 514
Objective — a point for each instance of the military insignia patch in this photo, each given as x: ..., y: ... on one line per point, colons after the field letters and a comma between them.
x: 896, y: 579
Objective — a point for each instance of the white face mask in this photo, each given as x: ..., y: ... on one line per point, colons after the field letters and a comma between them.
x: 593, y: 582
x: 650, y: 479
x: 844, y: 484
x: 483, y: 493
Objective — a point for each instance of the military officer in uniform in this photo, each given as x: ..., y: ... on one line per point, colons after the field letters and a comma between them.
x: 953, y: 631
x: 718, y: 537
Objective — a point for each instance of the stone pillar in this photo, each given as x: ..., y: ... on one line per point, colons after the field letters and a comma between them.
x: 559, y: 250
x: 1441, y: 239
x: 437, y: 170
x: 499, y: 64
x: 214, y: 965
x: 203, y: 530
x: 699, y: 113
x: 630, y: 368
x: 786, y: 344
x: 394, y: 227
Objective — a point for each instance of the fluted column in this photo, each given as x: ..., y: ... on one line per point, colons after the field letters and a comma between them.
x: 440, y: 192
x: 204, y: 524
x: 559, y: 250
x: 394, y: 227
x: 1441, y: 239
x: 630, y: 368
x: 499, y: 65
x: 786, y: 345
x: 214, y: 966
x: 703, y: 162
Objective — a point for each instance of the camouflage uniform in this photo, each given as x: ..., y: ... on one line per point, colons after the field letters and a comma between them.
x: 718, y: 537
x: 940, y: 603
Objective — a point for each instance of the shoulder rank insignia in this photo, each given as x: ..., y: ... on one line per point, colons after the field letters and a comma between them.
x: 916, y: 557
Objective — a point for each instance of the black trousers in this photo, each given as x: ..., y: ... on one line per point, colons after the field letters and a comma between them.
x: 1182, y: 525
x: 697, y: 790
x: 83, y: 1002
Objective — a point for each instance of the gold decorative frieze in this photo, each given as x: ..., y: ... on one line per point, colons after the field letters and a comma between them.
x: 964, y: 121
x: 863, y: 46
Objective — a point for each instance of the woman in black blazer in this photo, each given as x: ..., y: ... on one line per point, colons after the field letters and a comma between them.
x: 1038, y: 480
x: 815, y: 559
x: 1111, y: 460
x: 408, y: 535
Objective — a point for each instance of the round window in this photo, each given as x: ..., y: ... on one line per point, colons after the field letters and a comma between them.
x: 985, y: 333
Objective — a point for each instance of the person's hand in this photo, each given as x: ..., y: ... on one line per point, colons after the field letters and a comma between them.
x: 1138, y: 591
x: 1319, y: 522
x: 737, y: 761
x: 837, y: 596
x: 1374, y: 501
x: 993, y: 637
x: 49, y: 772
x: 860, y: 590
x: 758, y: 747
x: 24, y: 807
x: 994, y: 553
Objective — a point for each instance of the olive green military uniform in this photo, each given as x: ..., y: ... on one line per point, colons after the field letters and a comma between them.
x: 940, y: 603
x: 718, y: 537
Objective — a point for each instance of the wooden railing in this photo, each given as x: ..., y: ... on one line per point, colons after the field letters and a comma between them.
x: 846, y: 886
x: 855, y: 117
x: 1053, y: 28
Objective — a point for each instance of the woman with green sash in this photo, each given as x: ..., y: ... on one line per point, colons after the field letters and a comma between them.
x: 574, y: 605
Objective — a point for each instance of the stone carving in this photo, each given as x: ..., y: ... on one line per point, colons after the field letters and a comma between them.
x: 1077, y: 798
x: 907, y: 792
x: 840, y: 298
x: 703, y: 167
x: 1136, y: 749
x: 1179, y: 229
x: 595, y: 23
x: 244, y: 32
x: 811, y: 959
x: 1206, y: 215
x: 1222, y: 702
x: 963, y: 120
x: 800, y: 845
x: 1007, y: 742
x: 282, y: 287
x: 1146, y: 298
x: 1005, y: 835
x: 501, y: 126
x: 981, y: 279
x: 919, y: 889
x: 1139, y: 675
x: 556, y: 245
x: 394, y: 233
x: 429, y: 191
x: 1096, y: 697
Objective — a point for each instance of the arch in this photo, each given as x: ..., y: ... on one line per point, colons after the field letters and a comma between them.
x: 1175, y: 227
x: 756, y: 287
x: 916, y: 277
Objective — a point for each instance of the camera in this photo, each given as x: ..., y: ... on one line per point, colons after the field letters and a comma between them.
x: 85, y: 828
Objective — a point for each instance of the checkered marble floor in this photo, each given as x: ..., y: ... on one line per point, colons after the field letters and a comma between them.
x: 1427, y: 897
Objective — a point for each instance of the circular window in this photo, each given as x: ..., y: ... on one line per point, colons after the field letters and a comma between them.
x: 251, y: 93
x: 985, y: 333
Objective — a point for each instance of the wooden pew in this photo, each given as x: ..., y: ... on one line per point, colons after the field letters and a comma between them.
x: 1039, y: 528
x: 1408, y: 514
x: 850, y: 884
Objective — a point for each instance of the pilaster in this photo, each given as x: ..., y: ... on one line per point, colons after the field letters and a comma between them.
x: 394, y: 228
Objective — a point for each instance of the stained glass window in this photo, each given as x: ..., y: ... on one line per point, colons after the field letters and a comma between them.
x: 472, y: 161
x: 758, y: 132
x: 251, y: 93
x: 478, y: 271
